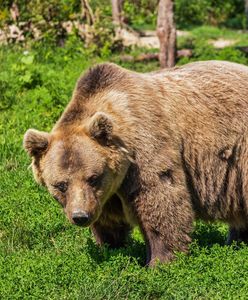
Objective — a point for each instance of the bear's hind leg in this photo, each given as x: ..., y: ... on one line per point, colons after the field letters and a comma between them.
x: 237, y: 235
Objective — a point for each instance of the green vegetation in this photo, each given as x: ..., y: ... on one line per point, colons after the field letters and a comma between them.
x: 137, y: 12
x: 42, y: 256
x: 48, y: 20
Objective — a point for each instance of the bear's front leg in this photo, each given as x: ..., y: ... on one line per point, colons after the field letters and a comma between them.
x: 111, y: 228
x: 166, y: 219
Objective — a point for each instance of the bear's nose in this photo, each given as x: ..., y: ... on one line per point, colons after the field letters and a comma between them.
x: 80, y: 218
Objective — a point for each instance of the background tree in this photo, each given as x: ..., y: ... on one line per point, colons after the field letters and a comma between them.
x: 246, y: 12
x: 14, y: 12
x: 166, y: 32
x: 117, y: 12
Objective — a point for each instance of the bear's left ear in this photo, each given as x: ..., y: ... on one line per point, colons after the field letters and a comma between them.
x: 101, y: 127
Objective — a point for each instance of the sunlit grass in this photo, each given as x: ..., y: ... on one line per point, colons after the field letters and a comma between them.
x: 42, y: 256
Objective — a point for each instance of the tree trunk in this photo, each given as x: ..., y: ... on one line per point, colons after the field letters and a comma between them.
x: 246, y: 13
x: 117, y: 12
x: 14, y: 12
x: 166, y: 32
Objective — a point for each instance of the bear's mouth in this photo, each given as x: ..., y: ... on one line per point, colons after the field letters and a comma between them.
x: 82, y: 225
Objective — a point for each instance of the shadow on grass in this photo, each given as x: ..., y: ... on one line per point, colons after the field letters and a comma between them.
x: 205, y: 235
x: 134, y: 249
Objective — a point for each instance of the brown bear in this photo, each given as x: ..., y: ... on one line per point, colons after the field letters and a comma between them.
x: 157, y: 150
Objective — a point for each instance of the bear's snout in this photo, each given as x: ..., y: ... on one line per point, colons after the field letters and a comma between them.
x: 81, y: 218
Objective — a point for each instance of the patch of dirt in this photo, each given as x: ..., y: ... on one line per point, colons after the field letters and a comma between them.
x: 222, y: 43
x: 145, y: 39
x: 149, y: 39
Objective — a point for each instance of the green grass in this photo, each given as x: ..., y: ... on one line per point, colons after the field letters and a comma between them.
x: 209, y: 32
x: 42, y: 256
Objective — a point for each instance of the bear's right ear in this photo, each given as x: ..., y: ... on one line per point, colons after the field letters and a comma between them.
x: 35, y: 142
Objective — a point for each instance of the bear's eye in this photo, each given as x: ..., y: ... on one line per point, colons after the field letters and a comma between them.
x: 61, y: 186
x: 93, y: 180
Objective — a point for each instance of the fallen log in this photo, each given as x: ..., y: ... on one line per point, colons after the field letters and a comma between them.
x: 153, y: 56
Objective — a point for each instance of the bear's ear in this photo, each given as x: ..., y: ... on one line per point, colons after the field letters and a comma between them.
x: 35, y: 142
x: 100, y: 127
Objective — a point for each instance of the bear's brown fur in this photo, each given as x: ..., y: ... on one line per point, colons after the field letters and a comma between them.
x: 157, y: 150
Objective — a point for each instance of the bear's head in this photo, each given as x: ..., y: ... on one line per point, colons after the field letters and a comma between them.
x: 81, y: 166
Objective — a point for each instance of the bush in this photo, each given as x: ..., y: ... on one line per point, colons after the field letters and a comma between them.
x: 195, y: 12
x: 208, y: 12
x: 47, y: 20
x: 139, y: 13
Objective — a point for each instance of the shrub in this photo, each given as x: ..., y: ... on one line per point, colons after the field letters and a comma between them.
x: 208, y: 12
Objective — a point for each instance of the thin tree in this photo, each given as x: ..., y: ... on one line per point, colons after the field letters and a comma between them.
x: 117, y: 12
x: 246, y: 13
x: 166, y: 32
x: 14, y: 12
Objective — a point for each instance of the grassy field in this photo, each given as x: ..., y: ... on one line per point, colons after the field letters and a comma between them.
x: 42, y: 256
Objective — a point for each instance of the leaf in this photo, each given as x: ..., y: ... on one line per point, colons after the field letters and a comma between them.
x: 27, y: 60
x: 26, y: 77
